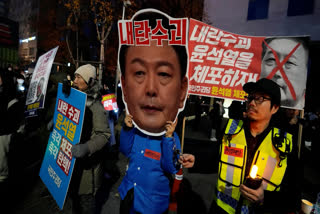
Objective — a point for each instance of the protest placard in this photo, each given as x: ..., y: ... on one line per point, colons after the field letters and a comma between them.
x: 57, y: 165
x: 109, y: 102
x: 220, y: 63
x: 39, y: 81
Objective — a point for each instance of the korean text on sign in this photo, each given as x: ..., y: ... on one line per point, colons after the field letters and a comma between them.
x: 67, y: 126
x: 58, y: 163
x: 69, y: 111
x: 140, y: 32
x: 54, y: 143
x: 223, y: 60
x: 109, y: 102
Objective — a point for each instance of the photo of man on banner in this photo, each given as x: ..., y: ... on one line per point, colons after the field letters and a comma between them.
x: 39, y: 93
x: 285, y: 61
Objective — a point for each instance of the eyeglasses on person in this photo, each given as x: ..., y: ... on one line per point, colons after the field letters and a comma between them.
x: 258, y: 99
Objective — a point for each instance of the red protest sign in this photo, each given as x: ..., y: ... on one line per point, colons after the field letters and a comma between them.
x: 109, y: 102
x: 220, y: 62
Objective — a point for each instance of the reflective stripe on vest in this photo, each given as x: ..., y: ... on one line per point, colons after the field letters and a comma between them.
x: 233, y: 126
x: 233, y: 161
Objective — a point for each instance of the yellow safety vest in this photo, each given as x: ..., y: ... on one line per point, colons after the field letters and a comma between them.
x: 270, y: 159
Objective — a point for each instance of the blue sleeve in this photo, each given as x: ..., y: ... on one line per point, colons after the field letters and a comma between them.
x: 126, y: 141
x: 170, y: 148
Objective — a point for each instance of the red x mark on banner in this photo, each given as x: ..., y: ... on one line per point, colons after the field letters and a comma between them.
x: 280, y: 68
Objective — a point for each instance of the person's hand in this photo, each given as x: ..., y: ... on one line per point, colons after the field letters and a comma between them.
x: 187, y: 160
x: 293, y: 121
x: 128, y: 120
x: 170, y: 127
x: 79, y: 150
x: 252, y: 195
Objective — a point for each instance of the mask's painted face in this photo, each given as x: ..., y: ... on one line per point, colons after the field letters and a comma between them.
x: 152, y: 86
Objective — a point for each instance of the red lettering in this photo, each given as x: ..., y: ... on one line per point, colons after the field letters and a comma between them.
x: 236, y: 152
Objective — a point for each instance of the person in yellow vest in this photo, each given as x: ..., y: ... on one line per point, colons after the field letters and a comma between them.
x: 255, y: 141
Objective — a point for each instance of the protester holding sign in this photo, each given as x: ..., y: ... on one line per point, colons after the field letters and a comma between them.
x: 145, y: 188
x: 256, y: 143
x: 285, y: 61
x: 157, y: 54
x: 94, y: 138
x: 154, y: 85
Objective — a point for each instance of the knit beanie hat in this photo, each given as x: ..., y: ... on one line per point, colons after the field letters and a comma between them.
x: 86, y: 72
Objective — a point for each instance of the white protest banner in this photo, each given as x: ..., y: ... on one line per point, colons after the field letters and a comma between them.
x: 38, y: 84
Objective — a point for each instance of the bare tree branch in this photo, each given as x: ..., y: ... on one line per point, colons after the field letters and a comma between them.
x: 108, y: 31
x: 67, y: 41
x: 98, y: 32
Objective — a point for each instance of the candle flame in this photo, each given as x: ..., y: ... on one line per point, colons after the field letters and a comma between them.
x: 253, y: 172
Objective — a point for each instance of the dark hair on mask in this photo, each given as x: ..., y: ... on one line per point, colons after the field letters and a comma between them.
x: 179, y: 49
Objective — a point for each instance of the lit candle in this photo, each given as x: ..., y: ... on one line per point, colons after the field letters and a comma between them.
x: 253, y: 181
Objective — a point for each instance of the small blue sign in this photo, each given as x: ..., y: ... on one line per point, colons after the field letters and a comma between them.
x: 57, y: 165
